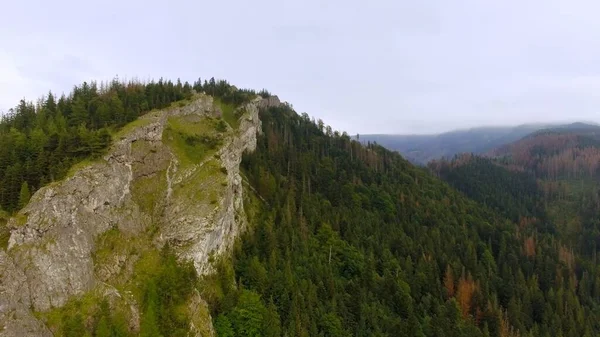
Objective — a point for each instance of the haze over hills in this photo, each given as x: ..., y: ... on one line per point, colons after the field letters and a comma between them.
x: 420, y: 149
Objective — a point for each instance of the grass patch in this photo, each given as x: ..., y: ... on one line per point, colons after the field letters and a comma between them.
x: 111, y: 243
x: 161, y: 288
x: 229, y: 113
x: 84, y: 306
x: 203, y: 185
x: 141, y: 146
x: 192, y: 138
x: 148, y: 192
x: 146, y: 268
x: 21, y: 219
x: 80, y: 166
x: 138, y: 123
x: 182, y: 103
x: 88, y: 315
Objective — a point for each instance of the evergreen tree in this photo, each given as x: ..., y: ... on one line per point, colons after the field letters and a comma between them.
x: 24, y: 195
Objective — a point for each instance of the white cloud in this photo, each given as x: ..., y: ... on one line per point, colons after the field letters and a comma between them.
x: 379, y: 66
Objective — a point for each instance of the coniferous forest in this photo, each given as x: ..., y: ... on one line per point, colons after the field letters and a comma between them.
x: 353, y: 240
x: 344, y: 239
x: 41, y: 141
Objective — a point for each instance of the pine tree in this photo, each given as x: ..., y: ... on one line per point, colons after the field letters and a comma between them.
x: 24, y: 195
x: 149, y: 325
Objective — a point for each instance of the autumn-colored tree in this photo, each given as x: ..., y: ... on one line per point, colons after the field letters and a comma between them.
x: 506, y: 329
x: 449, y: 282
x: 465, y: 290
x: 529, y: 246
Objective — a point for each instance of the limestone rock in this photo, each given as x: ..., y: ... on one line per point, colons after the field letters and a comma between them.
x: 50, y: 253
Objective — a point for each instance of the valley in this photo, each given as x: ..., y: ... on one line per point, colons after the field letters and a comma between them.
x: 178, y: 209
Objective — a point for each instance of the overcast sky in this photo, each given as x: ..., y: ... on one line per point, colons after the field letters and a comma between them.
x: 394, y: 66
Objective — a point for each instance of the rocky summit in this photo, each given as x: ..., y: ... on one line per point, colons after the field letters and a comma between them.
x: 171, y: 176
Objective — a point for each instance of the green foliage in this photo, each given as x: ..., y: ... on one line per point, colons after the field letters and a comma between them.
x: 4, y: 231
x: 229, y: 115
x: 225, y: 92
x: 221, y: 126
x: 165, y: 290
x: 344, y: 240
x: 73, y: 326
x: 353, y: 240
x: 87, y: 316
x: 248, y: 317
x: 103, y: 329
x: 223, y: 327
x: 149, y: 326
x: 511, y: 193
x: 39, y: 143
x: 24, y: 195
x: 192, y: 140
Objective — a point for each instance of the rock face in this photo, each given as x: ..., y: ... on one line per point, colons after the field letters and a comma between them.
x: 272, y: 101
x: 206, y: 230
x: 197, y: 207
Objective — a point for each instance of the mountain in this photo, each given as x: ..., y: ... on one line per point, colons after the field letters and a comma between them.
x: 165, y: 209
x: 421, y: 149
x: 169, y: 179
x: 562, y: 152
x: 547, y: 182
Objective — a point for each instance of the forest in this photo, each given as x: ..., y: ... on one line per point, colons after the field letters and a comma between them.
x: 344, y: 238
x: 41, y: 141
x: 353, y: 240
x: 555, y: 155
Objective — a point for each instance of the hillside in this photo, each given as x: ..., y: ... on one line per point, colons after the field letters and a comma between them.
x: 229, y: 214
x: 566, y: 162
x: 549, y: 183
x: 420, y: 149
x: 101, y: 243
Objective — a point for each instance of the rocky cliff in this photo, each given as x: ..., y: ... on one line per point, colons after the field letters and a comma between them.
x: 171, y: 176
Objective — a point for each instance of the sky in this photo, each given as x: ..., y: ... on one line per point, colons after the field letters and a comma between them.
x: 378, y: 66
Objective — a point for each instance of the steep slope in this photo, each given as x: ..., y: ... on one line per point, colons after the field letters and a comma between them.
x: 421, y: 149
x: 353, y: 240
x: 560, y: 207
x: 566, y: 162
x: 515, y: 194
x: 171, y: 176
x: 571, y: 151
x: 341, y: 239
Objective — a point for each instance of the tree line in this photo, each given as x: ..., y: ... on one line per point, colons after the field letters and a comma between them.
x: 40, y: 142
x: 352, y: 240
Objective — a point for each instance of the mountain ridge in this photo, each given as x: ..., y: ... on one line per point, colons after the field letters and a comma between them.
x: 68, y: 217
x: 421, y: 149
x: 312, y: 233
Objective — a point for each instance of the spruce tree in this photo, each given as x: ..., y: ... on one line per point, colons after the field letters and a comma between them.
x: 24, y: 195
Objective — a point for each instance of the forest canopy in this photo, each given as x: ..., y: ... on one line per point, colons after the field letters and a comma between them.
x: 344, y: 239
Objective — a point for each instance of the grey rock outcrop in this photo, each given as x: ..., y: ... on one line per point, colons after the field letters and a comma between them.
x: 50, y: 253
x: 271, y: 101
x: 212, y: 230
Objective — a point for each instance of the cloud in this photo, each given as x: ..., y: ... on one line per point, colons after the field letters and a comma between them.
x: 379, y: 66
x: 14, y: 85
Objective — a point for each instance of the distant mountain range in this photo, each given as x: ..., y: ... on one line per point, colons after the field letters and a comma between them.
x: 420, y: 149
